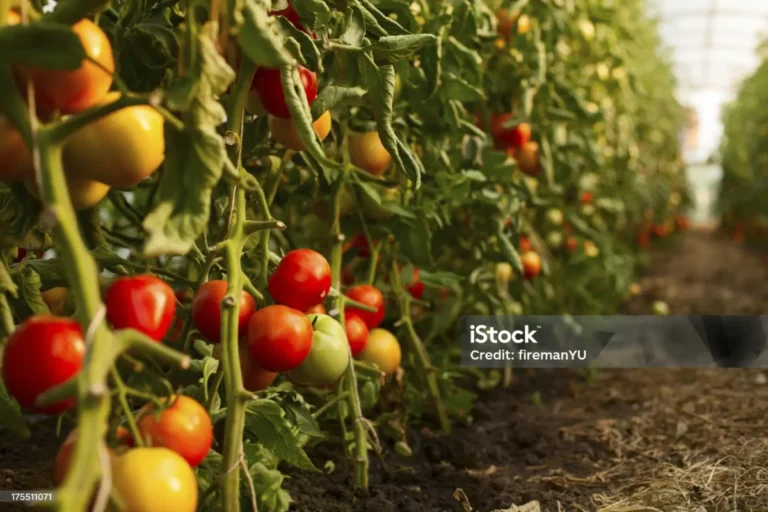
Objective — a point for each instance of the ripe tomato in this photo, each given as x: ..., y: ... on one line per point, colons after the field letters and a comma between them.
x: 72, y: 91
x: 585, y: 197
x: 301, y: 280
x: 525, y: 243
x: 142, y: 302
x: 507, y: 138
x: 360, y: 243
x: 329, y: 356
x: 279, y: 338
x: 83, y: 193
x: 135, y: 133
x: 284, y: 131
x: 183, y: 427
x: 55, y: 299
x: 357, y: 333
x: 531, y: 264
x: 44, y: 351
x: 15, y: 158
x: 415, y: 287
x: 528, y: 158
x: 505, y: 21
x: 317, y: 310
x: 254, y: 378
x: 523, y: 24
x: 368, y: 153
x: 267, y: 82
x: 370, y: 296
x: 206, y: 310
x: 571, y: 244
x: 383, y: 350
x: 154, y: 480
x: 643, y: 239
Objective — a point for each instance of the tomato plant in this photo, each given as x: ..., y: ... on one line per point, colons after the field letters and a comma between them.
x: 279, y: 338
x: 42, y: 352
x: 206, y: 309
x: 182, y: 426
x: 301, y: 280
x: 143, y: 302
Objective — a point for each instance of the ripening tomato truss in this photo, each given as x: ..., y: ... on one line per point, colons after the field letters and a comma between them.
x: 209, y: 225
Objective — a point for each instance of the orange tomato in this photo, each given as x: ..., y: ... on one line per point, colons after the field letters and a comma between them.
x: 15, y: 158
x: 284, y: 131
x: 83, y: 193
x: 72, y: 91
x: 528, y: 158
x: 531, y: 264
x: 382, y: 350
x: 55, y: 299
x: 368, y: 153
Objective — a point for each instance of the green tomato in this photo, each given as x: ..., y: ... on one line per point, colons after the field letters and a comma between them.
x: 375, y: 211
x: 329, y: 356
x: 554, y: 216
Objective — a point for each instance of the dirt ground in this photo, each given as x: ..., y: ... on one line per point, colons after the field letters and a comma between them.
x: 630, y: 441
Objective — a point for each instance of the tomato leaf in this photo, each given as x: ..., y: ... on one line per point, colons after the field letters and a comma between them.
x: 29, y: 300
x: 390, y: 26
x: 335, y: 95
x: 354, y: 31
x: 266, y: 420
x: 41, y: 44
x: 313, y: 12
x: 391, y: 49
x: 268, y: 486
x: 6, y: 283
x: 259, y: 40
x: 10, y: 415
x: 415, y: 240
x: 302, y: 47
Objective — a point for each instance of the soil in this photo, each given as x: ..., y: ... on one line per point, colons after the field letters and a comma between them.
x: 627, y: 441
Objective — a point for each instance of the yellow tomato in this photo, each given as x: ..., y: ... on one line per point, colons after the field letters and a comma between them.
x: 154, y: 480
x: 121, y: 149
x: 528, y: 158
x: 15, y: 158
x: 76, y: 90
x: 83, y: 193
x: 382, y: 350
x: 368, y: 153
x: 55, y: 299
x: 284, y: 131
x: 523, y: 24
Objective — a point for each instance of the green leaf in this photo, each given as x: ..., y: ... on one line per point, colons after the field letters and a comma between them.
x: 29, y: 300
x: 268, y: 487
x: 381, y: 20
x: 259, y: 40
x: 10, y: 415
x: 391, y: 49
x: 354, y: 31
x: 6, y: 282
x: 41, y: 44
x: 266, y: 420
x: 415, y: 240
x: 334, y: 95
x: 507, y: 249
x: 306, y: 52
x: 313, y: 12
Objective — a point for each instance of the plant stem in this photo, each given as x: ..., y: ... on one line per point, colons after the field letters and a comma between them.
x: 122, y: 397
x: 422, y: 357
x: 350, y: 377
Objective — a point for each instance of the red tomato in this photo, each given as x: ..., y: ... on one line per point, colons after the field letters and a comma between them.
x: 571, y: 244
x: 360, y: 243
x: 370, y: 296
x: 301, y: 280
x: 525, y: 243
x: 254, y: 378
x: 279, y: 338
x: 317, y: 310
x: 143, y: 302
x: 643, y: 239
x: 183, y: 427
x: 44, y: 351
x: 76, y: 90
x: 586, y: 197
x: 21, y: 254
x: 531, y: 264
x: 357, y: 333
x: 415, y: 287
x: 509, y: 138
x: 206, y: 310
x: 267, y: 82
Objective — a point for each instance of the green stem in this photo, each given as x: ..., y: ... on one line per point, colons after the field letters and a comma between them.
x: 6, y: 319
x: 360, y: 455
x: 330, y: 403
x: 422, y: 357
x: 122, y: 397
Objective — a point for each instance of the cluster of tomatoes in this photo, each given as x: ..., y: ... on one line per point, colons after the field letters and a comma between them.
x: 134, y: 132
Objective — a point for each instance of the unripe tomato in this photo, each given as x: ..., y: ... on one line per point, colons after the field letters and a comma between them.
x: 154, y: 480
x: 143, y: 302
x: 531, y: 264
x: 183, y: 427
x: 55, y: 299
x: 301, y: 280
x: 383, y: 350
x: 267, y: 82
x: 329, y: 356
x: 284, y: 131
x: 83, y: 193
x: 254, y: 377
x: 206, y: 310
x: 44, y: 351
x: 554, y: 239
x: 590, y: 249
x: 368, y: 153
x: 507, y: 138
x: 503, y: 272
x: 523, y: 24
x: 317, y: 310
x: 279, y: 338
x: 415, y: 287
x: 357, y: 333
x: 370, y: 296
x: 15, y: 158
x: 134, y: 133
x: 375, y: 211
x: 72, y: 91
x: 528, y: 158
x: 554, y: 217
